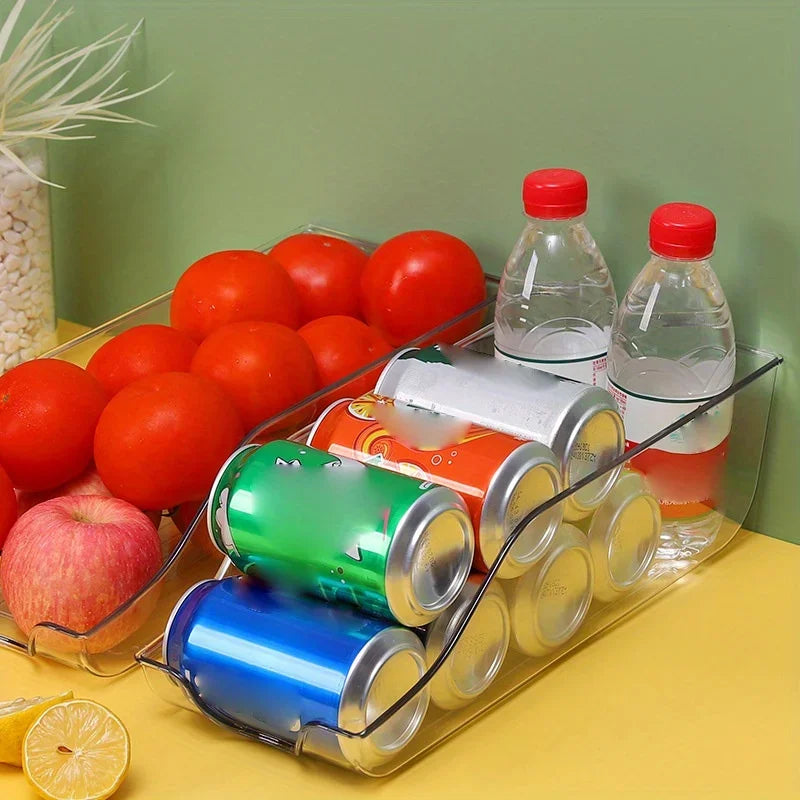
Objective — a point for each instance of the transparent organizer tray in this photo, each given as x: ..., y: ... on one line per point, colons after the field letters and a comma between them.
x: 753, y: 390
x: 189, y: 557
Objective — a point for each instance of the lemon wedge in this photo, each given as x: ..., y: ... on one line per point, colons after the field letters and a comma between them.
x: 76, y: 750
x: 16, y: 717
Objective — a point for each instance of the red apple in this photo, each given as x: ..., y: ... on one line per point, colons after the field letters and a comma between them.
x: 88, y: 482
x: 73, y: 561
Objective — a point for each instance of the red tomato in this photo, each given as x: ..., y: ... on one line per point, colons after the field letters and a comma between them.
x: 88, y: 482
x: 162, y: 439
x: 263, y: 367
x: 143, y: 350
x: 8, y: 506
x: 48, y: 413
x: 184, y: 514
x: 419, y: 280
x: 233, y: 286
x: 325, y: 270
x: 341, y: 346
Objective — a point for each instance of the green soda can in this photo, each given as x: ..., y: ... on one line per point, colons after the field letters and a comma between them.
x: 303, y: 519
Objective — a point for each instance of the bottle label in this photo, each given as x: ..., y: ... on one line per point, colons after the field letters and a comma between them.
x: 685, y: 469
x: 591, y: 370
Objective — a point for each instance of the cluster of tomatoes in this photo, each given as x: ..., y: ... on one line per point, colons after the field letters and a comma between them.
x: 159, y: 408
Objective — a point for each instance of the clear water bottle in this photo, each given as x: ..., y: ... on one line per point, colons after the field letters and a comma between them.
x: 556, y: 301
x: 672, y: 348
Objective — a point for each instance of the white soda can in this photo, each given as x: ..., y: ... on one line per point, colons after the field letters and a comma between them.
x: 579, y: 423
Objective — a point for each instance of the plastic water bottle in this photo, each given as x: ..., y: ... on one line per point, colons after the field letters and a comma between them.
x: 672, y: 348
x: 556, y: 301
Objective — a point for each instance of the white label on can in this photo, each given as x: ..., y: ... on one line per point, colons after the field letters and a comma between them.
x: 591, y: 370
x: 643, y: 416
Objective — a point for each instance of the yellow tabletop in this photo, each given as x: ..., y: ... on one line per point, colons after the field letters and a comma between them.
x: 696, y: 695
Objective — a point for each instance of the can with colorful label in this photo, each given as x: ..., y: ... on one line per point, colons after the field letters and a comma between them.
x: 478, y: 655
x: 549, y: 602
x: 276, y: 663
x: 310, y: 521
x: 579, y: 423
x: 500, y: 478
x: 623, y: 536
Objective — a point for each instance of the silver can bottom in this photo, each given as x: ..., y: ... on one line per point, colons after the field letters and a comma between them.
x: 596, y: 441
x: 479, y: 653
x: 623, y: 536
x: 525, y: 480
x: 549, y: 603
x: 387, y: 667
x: 429, y: 558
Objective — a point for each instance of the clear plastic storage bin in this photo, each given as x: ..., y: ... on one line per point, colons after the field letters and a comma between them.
x: 622, y: 553
x: 188, y: 557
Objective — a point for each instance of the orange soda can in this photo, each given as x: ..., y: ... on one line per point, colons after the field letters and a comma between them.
x: 501, y: 478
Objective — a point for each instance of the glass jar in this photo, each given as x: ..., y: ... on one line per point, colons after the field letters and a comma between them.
x: 27, y: 302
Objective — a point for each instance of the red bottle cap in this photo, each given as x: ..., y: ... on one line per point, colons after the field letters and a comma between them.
x: 682, y: 230
x: 554, y: 194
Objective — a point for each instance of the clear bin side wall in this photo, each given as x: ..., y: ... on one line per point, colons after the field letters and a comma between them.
x: 377, y: 118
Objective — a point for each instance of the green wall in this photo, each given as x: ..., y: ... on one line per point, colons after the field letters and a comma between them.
x: 378, y: 117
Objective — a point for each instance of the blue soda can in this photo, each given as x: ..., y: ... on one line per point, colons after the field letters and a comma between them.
x: 276, y: 662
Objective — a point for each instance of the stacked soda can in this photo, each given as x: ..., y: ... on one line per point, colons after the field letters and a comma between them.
x: 501, y: 479
x: 579, y: 423
x: 615, y: 516
x: 357, y: 549
x: 380, y: 552
x: 623, y: 534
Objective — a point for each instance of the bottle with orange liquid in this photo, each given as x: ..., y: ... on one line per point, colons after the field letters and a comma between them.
x: 672, y: 349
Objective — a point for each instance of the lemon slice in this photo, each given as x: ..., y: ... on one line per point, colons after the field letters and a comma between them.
x: 16, y: 717
x: 76, y: 750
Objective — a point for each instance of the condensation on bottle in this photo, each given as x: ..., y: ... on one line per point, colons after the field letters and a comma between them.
x: 672, y: 349
x: 556, y: 301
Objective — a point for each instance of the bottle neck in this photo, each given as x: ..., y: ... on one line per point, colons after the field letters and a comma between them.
x: 554, y: 225
x: 680, y: 264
